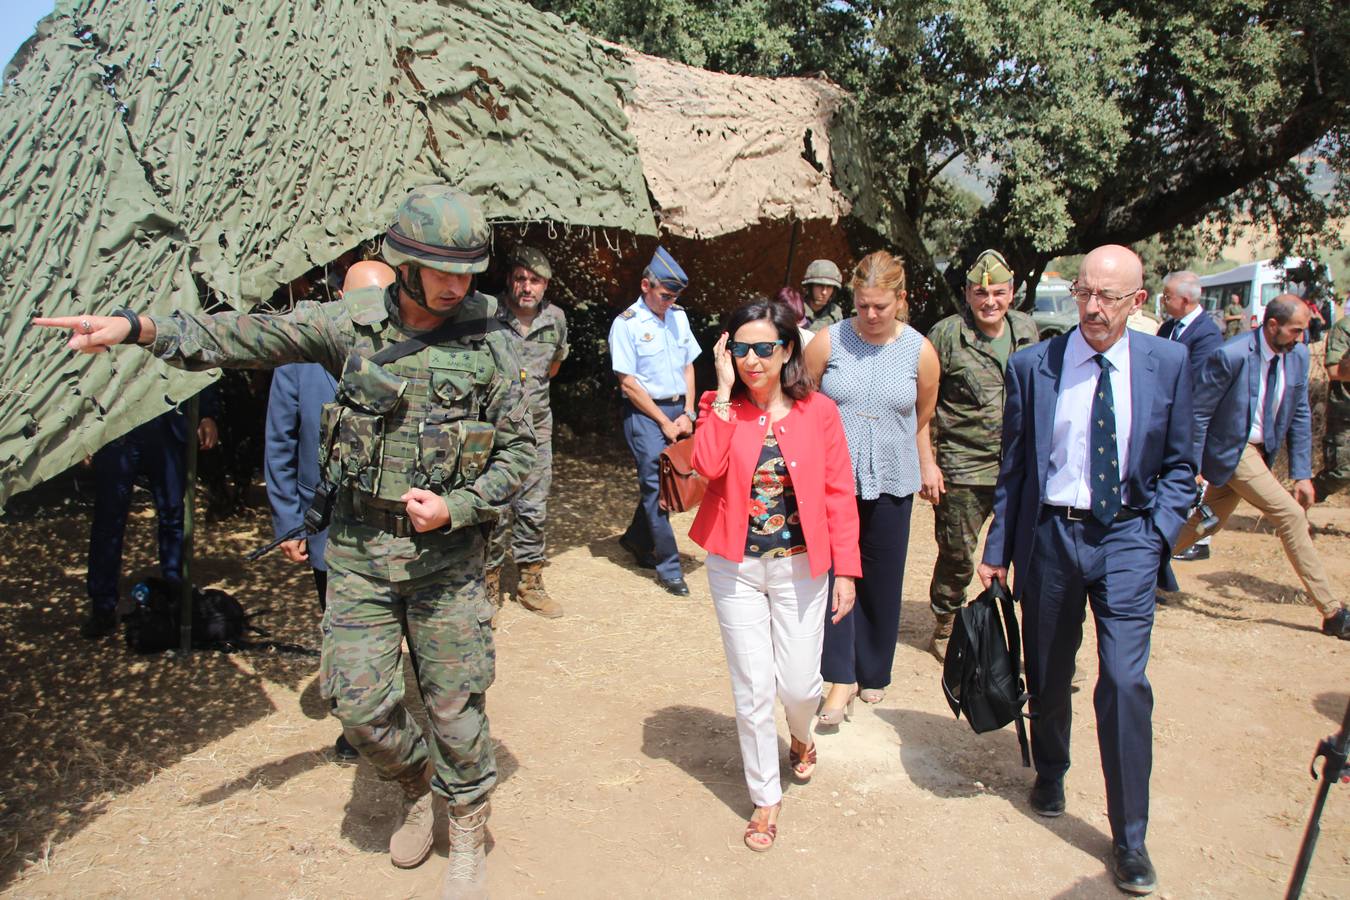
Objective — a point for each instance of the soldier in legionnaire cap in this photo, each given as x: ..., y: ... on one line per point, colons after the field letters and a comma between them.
x: 538, y: 330
x: 822, y: 282
x: 427, y: 440
x: 652, y: 351
x: 973, y: 347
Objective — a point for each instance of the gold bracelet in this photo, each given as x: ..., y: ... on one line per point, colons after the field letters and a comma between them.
x: 721, y: 405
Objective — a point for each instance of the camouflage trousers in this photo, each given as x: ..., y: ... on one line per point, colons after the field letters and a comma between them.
x: 957, y: 521
x: 520, y: 529
x: 1335, y: 474
x: 447, y: 620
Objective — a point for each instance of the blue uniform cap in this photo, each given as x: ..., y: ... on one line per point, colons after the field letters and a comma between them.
x: 667, y: 271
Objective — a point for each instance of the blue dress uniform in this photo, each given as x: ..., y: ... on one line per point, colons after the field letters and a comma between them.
x: 655, y: 351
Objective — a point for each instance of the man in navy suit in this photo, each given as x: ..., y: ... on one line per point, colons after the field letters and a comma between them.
x: 1189, y: 324
x: 1096, y: 479
x: 291, y: 457
x: 1238, y: 432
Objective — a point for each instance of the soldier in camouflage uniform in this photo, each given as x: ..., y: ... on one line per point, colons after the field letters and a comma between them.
x: 822, y: 282
x: 973, y: 349
x: 539, y: 331
x: 425, y: 451
x: 1335, y: 473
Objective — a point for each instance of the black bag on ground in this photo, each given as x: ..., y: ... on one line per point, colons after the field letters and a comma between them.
x: 982, y: 674
x: 218, y: 620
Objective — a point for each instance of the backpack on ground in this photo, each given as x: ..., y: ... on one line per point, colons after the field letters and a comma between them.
x: 982, y: 674
x: 218, y: 619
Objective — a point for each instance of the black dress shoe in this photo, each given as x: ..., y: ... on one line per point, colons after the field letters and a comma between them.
x: 1047, y: 797
x: 99, y: 624
x: 1337, y: 624
x: 1192, y: 553
x: 343, y: 749
x: 675, y: 586
x: 643, y: 558
x: 1134, y: 871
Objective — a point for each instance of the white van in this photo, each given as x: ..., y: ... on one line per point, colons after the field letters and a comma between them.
x: 1257, y: 283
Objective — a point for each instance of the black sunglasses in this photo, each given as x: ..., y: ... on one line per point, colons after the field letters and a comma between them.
x: 763, y: 349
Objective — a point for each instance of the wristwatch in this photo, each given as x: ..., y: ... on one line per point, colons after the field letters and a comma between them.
x: 692, y: 414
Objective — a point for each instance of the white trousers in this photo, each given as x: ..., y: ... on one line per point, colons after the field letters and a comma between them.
x: 772, y: 615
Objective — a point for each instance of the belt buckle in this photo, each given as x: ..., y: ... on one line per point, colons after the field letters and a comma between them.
x: 402, y: 525
x: 1073, y: 514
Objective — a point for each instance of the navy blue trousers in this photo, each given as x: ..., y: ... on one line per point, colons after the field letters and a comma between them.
x: 155, y: 450
x: 1114, y: 569
x: 650, y: 528
x: 861, y: 647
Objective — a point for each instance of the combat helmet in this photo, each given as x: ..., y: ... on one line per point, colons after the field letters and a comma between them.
x: 822, y: 271
x: 440, y: 228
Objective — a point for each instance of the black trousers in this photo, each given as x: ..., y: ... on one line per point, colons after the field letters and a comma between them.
x: 861, y: 647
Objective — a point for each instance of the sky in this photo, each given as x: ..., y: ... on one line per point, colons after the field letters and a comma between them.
x: 18, y: 23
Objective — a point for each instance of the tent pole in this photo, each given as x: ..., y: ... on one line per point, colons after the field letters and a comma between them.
x: 189, y: 501
x: 792, y: 251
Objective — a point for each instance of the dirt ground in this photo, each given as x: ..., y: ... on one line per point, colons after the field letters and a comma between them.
x: 620, y: 771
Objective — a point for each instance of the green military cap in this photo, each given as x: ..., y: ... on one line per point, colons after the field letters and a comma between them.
x: 822, y: 271
x: 532, y: 259
x: 990, y: 268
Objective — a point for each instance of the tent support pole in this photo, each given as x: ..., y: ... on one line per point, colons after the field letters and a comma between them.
x: 189, y: 501
x: 792, y: 251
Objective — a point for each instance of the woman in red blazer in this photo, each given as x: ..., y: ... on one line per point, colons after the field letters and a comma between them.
x: 778, y: 514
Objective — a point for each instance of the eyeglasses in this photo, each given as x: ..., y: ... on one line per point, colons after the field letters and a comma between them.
x: 763, y: 349
x: 1107, y: 301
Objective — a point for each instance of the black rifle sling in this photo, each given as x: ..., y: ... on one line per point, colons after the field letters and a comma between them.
x: 441, y: 334
x: 1014, y: 634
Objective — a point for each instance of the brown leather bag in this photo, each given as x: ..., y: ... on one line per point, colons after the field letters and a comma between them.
x: 681, y: 487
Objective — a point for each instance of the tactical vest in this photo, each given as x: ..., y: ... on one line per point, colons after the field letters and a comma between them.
x: 416, y: 422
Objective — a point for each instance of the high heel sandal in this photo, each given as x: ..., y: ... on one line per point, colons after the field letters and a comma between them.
x: 834, y: 715
x: 872, y: 695
x: 803, y: 764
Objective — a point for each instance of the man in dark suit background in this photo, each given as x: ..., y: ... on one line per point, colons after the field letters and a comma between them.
x: 291, y: 452
x: 1238, y: 432
x: 1096, y: 479
x: 1189, y: 324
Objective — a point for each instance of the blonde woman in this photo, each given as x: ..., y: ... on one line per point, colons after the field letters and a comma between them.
x: 883, y: 375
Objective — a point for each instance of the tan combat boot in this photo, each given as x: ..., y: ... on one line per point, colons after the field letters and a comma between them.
x: 492, y: 582
x: 466, y: 873
x: 531, y: 594
x: 411, y: 841
x: 942, y: 633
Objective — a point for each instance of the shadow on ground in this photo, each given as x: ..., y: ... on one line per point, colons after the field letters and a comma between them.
x: 703, y: 744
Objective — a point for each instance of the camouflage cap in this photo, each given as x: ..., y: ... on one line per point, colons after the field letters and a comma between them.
x: 532, y: 259
x: 440, y: 228
x: 990, y: 268
x: 822, y: 271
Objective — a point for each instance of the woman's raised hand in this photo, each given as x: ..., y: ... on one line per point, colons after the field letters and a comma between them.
x: 726, y: 369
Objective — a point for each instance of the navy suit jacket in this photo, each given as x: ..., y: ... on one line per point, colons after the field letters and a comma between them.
x: 1200, y: 338
x: 291, y: 458
x: 1225, y: 396
x: 1161, y: 476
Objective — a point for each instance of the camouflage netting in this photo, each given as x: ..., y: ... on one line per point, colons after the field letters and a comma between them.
x: 153, y: 150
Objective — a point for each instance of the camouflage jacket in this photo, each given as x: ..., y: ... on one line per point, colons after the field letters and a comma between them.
x: 969, y: 415
x: 341, y: 337
x: 1338, y: 342
x: 829, y: 314
x: 539, y: 347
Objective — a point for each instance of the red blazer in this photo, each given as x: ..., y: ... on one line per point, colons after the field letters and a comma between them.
x: 812, y: 440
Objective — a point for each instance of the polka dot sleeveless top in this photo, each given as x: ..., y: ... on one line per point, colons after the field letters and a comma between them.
x: 876, y: 388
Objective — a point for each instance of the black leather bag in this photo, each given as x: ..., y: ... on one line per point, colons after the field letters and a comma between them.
x: 982, y: 675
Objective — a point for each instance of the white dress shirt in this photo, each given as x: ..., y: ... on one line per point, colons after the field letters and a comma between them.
x: 1258, y: 432
x: 1066, y: 482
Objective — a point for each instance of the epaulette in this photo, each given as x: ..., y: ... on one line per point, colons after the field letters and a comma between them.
x: 627, y: 314
x: 366, y: 306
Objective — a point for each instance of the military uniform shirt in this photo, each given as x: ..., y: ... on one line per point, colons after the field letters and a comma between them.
x: 969, y: 413
x: 1338, y: 342
x: 539, y: 347
x: 829, y: 314
x: 653, y: 350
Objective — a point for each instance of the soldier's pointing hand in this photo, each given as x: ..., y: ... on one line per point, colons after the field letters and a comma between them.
x: 95, y: 334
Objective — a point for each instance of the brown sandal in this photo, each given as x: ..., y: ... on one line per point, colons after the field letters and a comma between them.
x: 755, y: 829
x: 803, y: 764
